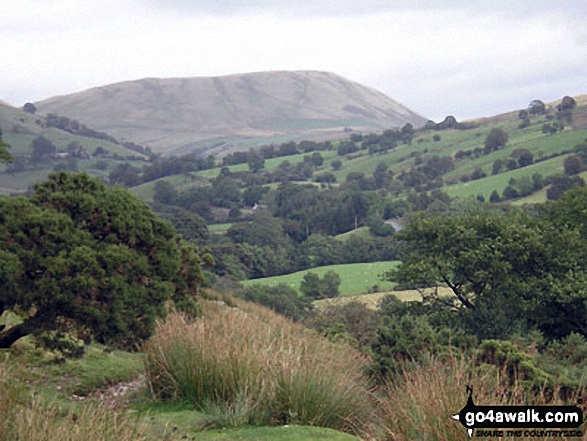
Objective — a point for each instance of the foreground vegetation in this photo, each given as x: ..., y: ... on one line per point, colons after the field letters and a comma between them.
x: 502, y: 301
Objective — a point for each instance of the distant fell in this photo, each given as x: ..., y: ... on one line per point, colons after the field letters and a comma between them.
x: 216, y: 114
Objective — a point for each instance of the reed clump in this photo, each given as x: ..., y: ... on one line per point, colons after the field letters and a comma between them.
x: 258, y: 368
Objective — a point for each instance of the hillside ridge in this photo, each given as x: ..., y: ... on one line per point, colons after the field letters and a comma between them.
x: 193, y: 113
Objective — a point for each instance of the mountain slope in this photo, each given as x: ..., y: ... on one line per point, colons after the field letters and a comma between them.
x: 180, y: 114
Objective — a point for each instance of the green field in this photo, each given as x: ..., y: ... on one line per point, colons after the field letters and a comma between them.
x: 270, y: 164
x: 219, y: 228
x: 180, y: 182
x: 356, y: 278
x: 499, y: 182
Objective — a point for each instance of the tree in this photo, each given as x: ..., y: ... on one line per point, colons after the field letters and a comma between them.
x: 191, y: 227
x: 164, y: 192
x: 537, y: 107
x: 42, y: 148
x: 30, y: 108
x: 498, y: 165
x: 93, y: 261
x: 494, y: 197
x: 496, y: 139
x: 314, y: 287
x: 561, y: 184
x: 505, y: 264
x: 523, y: 157
x: 4, y: 147
x: 317, y: 159
x: 567, y: 104
x: 255, y: 161
x: 478, y: 173
x: 331, y: 283
x: 573, y: 165
x: 336, y: 164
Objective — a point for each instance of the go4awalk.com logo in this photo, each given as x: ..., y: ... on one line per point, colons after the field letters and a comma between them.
x: 527, y: 421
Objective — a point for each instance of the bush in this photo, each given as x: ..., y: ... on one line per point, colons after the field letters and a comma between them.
x: 314, y: 287
x: 271, y: 370
x: 281, y: 298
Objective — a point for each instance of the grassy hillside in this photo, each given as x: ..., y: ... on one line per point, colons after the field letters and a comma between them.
x: 99, y: 398
x: 19, y: 130
x: 219, y: 113
x: 356, y: 278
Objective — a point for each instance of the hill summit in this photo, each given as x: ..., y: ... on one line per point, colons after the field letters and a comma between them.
x: 216, y: 114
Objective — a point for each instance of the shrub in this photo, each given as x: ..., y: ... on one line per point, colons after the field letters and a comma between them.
x: 281, y: 298
x: 314, y: 287
x: 250, y: 359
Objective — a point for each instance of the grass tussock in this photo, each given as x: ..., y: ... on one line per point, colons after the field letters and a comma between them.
x: 27, y: 418
x: 418, y: 404
x: 249, y: 365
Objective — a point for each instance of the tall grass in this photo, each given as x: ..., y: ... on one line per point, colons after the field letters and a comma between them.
x: 419, y: 403
x: 27, y: 418
x: 257, y: 367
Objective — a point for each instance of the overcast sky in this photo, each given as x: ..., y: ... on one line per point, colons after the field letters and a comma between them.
x: 465, y: 58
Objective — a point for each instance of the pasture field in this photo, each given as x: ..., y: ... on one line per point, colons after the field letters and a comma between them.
x: 181, y: 183
x: 356, y: 278
x: 270, y: 164
x: 219, y: 228
x: 485, y: 186
x: 372, y: 301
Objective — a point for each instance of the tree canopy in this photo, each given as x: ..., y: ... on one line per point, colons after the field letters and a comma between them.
x: 82, y: 257
x: 506, y: 270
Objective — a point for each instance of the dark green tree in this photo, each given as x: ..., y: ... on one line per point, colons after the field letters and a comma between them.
x: 317, y: 159
x: 93, y: 261
x: 316, y: 288
x: 494, y: 197
x: 255, y: 161
x: 164, y: 192
x: 573, y: 165
x: 500, y: 263
x: 30, y: 108
x: 43, y: 148
x: 537, y: 107
x: 496, y: 139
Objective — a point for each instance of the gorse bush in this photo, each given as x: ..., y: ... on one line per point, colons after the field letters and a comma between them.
x: 257, y: 367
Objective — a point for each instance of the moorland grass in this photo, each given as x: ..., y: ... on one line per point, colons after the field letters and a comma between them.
x: 249, y: 365
x: 418, y: 403
x: 26, y: 417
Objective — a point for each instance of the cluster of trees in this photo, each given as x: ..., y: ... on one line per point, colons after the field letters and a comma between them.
x: 563, y: 112
x: 76, y: 128
x: 427, y: 173
x: 450, y: 122
x: 129, y: 176
x: 269, y: 246
x: 81, y: 258
x: 272, y: 151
